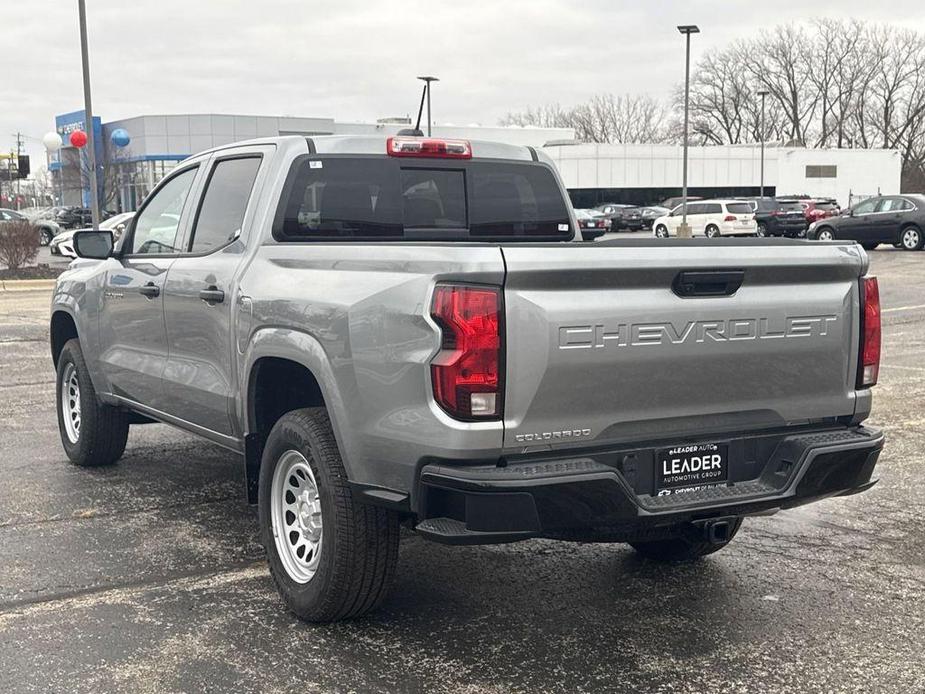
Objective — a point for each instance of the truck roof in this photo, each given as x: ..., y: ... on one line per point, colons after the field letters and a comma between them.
x: 376, y: 144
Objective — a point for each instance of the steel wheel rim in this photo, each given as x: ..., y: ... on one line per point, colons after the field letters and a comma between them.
x: 296, y: 519
x: 825, y: 235
x: 70, y: 402
x: 910, y: 238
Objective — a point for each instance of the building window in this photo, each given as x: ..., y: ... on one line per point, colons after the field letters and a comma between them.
x: 821, y: 171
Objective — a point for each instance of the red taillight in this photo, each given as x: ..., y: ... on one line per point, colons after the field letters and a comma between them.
x: 870, y: 333
x: 466, y: 371
x: 730, y: 218
x: 421, y: 147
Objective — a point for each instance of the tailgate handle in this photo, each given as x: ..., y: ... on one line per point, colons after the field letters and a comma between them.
x: 707, y: 282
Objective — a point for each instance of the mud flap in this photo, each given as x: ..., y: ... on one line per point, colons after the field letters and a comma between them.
x: 253, y: 452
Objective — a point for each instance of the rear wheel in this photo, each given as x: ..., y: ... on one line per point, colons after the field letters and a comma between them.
x: 661, y: 231
x: 684, y: 546
x: 712, y: 231
x: 93, y: 434
x: 911, y: 238
x: 330, y: 557
x: 762, y: 229
x: 45, y: 236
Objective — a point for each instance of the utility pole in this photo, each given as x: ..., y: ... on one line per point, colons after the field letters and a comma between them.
x: 763, y: 94
x: 88, y: 116
x: 18, y: 153
x: 684, y: 231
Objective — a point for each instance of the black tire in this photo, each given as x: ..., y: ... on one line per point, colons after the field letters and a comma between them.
x: 103, y: 429
x: 45, y: 236
x: 762, y: 229
x: 824, y: 231
x: 712, y: 231
x: 911, y: 239
x: 661, y: 231
x: 359, y: 543
x: 683, y: 547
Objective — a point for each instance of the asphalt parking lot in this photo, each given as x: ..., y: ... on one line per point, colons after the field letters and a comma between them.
x: 149, y: 577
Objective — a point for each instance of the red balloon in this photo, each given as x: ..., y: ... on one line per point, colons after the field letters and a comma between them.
x: 78, y: 138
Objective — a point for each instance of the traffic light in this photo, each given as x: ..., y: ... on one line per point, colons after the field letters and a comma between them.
x: 23, y: 166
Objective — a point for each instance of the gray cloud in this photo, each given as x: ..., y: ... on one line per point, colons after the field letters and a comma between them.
x: 356, y: 60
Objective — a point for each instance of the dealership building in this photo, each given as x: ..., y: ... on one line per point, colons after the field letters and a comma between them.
x: 593, y: 173
x: 646, y: 174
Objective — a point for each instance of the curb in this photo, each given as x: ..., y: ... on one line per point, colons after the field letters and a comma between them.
x: 26, y: 285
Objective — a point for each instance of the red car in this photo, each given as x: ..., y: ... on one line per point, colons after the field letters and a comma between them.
x: 819, y: 208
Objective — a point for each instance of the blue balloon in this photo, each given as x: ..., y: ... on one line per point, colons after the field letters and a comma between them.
x: 120, y: 137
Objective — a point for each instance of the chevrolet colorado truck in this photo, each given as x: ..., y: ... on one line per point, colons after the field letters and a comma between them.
x: 405, y: 331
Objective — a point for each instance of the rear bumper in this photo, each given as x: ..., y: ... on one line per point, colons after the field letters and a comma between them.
x: 611, y: 495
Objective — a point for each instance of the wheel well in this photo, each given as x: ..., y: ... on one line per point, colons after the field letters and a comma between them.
x: 62, y: 329
x: 278, y: 386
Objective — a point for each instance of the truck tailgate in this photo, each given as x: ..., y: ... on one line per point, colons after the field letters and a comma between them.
x: 601, y: 348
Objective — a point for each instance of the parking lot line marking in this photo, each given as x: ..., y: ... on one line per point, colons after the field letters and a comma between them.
x: 902, y: 308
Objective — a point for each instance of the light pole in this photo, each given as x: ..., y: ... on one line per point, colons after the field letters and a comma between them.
x: 684, y: 231
x: 88, y: 116
x: 763, y: 93
x: 427, y: 80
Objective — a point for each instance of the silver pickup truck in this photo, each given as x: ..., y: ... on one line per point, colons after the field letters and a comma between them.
x: 405, y: 331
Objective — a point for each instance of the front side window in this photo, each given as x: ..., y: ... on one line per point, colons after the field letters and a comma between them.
x: 224, y: 203
x: 158, y: 224
x: 375, y: 198
x: 867, y: 206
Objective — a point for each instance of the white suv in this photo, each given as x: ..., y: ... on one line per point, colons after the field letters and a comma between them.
x: 710, y: 218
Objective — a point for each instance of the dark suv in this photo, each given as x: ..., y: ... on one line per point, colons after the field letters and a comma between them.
x: 777, y: 218
x: 622, y: 216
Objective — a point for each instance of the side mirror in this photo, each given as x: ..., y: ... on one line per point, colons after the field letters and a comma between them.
x: 93, y: 244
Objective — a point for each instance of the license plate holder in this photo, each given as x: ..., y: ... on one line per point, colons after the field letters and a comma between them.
x: 690, y: 467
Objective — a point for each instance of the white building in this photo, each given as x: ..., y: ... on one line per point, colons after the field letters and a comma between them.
x: 646, y: 174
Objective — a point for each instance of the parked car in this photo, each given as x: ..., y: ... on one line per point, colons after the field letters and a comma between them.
x: 74, y: 217
x: 592, y: 224
x: 819, y: 208
x: 671, y: 203
x: 650, y: 214
x: 710, y: 218
x: 622, y: 216
x: 45, y: 228
x: 895, y: 219
x: 776, y: 218
x: 63, y: 243
x: 403, y: 331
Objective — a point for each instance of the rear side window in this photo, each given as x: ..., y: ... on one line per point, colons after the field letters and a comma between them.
x: 739, y: 208
x: 380, y: 198
x: 221, y: 213
x: 713, y: 208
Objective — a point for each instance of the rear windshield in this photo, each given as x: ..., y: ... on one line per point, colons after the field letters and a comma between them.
x: 378, y: 198
x: 826, y: 206
x: 739, y: 208
x: 791, y: 207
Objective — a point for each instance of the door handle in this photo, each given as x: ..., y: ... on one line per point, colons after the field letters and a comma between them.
x: 212, y: 295
x: 150, y: 290
x: 707, y: 282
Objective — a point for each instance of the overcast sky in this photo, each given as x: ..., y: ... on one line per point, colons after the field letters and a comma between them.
x: 356, y: 60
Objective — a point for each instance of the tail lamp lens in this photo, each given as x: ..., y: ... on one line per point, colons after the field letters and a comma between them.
x: 466, y: 372
x: 730, y: 218
x: 870, y: 333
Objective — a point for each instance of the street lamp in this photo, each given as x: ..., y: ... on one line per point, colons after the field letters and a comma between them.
x: 88, y: 116
x: 763, y: 93
x: 427, y: 80
x: 684, y: 231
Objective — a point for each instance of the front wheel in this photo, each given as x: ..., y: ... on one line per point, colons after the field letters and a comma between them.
x: 825, y: 234
x: 93, y: 434
x: 911, y: 239
x: 683, y: 547
x: 661, y: 231
x: 330, y: 557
